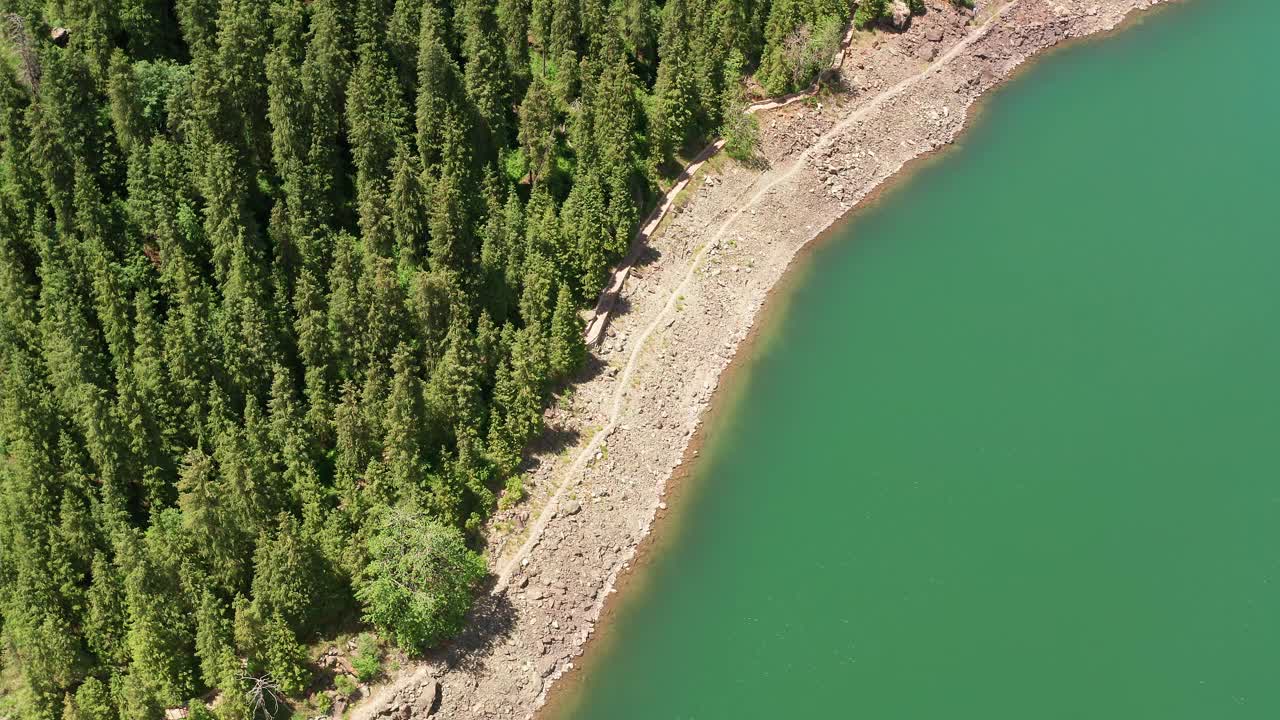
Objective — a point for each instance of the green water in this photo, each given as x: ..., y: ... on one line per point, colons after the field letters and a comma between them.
x: 1012, y: 449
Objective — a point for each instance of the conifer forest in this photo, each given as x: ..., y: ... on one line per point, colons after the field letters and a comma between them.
x: 285, y: 287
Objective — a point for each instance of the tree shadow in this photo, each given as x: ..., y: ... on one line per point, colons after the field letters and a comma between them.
x: 646, y: 255
x: 836, y: 82
x: 490, y: 623
x: 550, y: 440
x: 756, y: 162
x: 621, y: 305
x: 591, y: 368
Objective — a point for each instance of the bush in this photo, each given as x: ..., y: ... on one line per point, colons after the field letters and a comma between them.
x: 417, y: 587
x: 367, y: 661
x: 513, y: 492
x: 870, y: 11
x: 323, y: 702
x: 741, y: 135
x: 345, y: 685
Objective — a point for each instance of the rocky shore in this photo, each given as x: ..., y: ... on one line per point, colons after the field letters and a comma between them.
x: 599, y: 476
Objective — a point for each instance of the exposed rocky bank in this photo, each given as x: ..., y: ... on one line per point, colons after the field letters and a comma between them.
x: 598, y: 480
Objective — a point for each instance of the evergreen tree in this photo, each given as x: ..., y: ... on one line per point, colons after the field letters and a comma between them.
x: 159, y: 631
x: 92, y: 702
x: 675, y: 94
x: 375, y: 116
x: 537, y: 128
x: 287, y: 576
x: 488, y: 74
x: 409, y: 196
x: 513, y: 24
x: 441, y: 101
x: 215, y: 646
x: 567, y: 350
x: 403, y: 31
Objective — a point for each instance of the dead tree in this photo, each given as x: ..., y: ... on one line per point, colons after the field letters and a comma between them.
x: 15, y: 30
x: 263, y: 695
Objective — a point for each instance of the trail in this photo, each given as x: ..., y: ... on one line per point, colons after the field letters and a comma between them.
x: 608, y: 297
x: 620, y: 394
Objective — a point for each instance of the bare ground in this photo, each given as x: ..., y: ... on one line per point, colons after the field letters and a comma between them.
x: 598, y: 477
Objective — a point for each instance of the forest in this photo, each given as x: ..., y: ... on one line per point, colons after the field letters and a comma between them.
x: 286, y: 286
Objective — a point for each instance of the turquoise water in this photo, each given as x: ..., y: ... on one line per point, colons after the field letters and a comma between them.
x: 1012, y: 448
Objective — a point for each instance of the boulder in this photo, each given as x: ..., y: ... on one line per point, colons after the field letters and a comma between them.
x: 901, y: 14
x: 60, y: 36
x: 429, y: 693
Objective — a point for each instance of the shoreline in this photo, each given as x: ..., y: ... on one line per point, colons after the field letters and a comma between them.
x: 592, y: 522
x: 629, y: 584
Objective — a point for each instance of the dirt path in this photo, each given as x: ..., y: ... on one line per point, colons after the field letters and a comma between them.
x: 598, y: 481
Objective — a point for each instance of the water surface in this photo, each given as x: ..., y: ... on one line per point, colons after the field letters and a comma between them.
x: 1012, y: 449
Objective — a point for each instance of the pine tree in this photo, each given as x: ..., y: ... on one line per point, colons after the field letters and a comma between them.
x: 453, y: 393
x: 286, y: 576
x: 441, y: 101
x: 385, y: 320
x: 326, y: 70
x: 196, y: 18
x: 513, y: 24
x: 215, y: 646
x: 403, y: 31
x: 537, y: 128
x: 409, y: 210
x: 210, y: 519
x: 403, y: 453
x: 159, y: 633
x: 289, y: 111
x: 639, y: 21
x: 431, y: 305
x: 375, y: 116
x: 567, y: 350
x: 104, y: 619
x: 675, y: 94
x: 346, y: 313
x: 92, y: 702
x: 488, y: 74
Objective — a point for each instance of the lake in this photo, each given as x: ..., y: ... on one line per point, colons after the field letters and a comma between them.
x: 1009, y: 446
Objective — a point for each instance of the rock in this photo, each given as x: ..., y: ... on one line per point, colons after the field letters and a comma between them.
x: 339, y: 706
x: 934, y: 34
x: 60, y: 36
x: 546, y: 666
x: 569, y: 507
x: 901, y: 14
x: 428, y: 702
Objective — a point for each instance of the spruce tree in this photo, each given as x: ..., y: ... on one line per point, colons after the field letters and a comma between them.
x: 567, y: 350
x: 488, y: 74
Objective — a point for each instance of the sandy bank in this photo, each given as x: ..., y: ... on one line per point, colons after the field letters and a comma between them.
x: 600, y: 474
